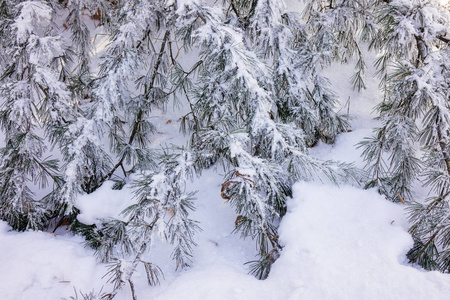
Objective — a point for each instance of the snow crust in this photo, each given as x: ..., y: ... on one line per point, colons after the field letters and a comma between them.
x: 349, y: 243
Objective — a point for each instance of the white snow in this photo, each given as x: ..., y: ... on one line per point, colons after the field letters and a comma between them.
x: 103, y: 203
x: 43, y: 266
x: 339, y: 242
x: 348, y: 243
x: 31, y: 14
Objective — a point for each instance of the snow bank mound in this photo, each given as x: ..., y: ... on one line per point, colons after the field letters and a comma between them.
x: 347, y: 243
x: 340, y: 243
x: 43, y: 266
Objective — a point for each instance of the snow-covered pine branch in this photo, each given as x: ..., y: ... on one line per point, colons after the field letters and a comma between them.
x: 258, y: 102
x: 161, y: 211
x: 33, y: 96
x: 415, y: 113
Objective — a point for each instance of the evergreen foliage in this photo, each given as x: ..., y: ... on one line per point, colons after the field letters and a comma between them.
x: 259, y: 102
x: 413, y: 40
x: 337, y: 28
x: 162, y: 209
x: 73, y: 119
x: 35, y: 96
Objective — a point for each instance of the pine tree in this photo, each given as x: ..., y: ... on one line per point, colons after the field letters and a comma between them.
x: 34, y: 97
x: 255, y: 121
x: 119, y: 99
x: 414, y: 40
x: 257, y: 97
x: 133, y: 80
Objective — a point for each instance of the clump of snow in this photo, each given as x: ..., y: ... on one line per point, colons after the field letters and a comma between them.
x: 32, y: 13
x: 103, y: 203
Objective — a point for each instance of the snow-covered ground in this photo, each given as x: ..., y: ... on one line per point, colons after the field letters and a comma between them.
x: 339, y: 242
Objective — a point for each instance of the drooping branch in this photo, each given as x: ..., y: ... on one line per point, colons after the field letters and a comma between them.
x: 140, y: 113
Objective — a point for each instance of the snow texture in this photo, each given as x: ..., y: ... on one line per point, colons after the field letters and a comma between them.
x: 339, y: 243
x: 103, y: 203
x: 43, y: 266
